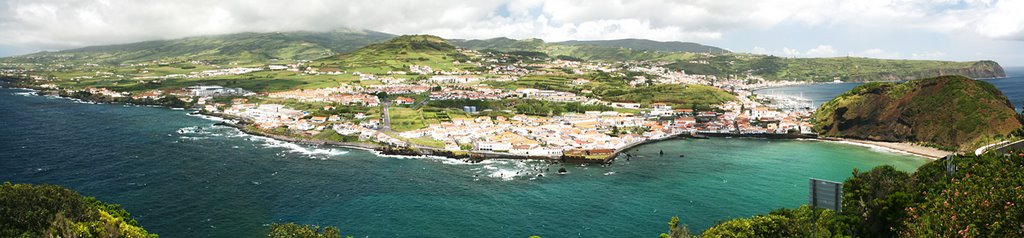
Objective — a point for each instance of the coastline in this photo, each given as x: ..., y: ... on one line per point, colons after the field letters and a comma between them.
x: 471, y: 156
x: 899, y: 147
x: 476, y: 156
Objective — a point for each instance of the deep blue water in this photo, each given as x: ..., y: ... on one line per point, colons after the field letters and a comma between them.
x: 1012, y: 86
x: 181, y: 176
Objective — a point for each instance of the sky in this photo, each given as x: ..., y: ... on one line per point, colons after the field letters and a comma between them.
x: 958, y: 30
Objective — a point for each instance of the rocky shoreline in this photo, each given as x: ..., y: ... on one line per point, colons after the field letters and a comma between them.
x: 477, y: 156
x: 470, y: 156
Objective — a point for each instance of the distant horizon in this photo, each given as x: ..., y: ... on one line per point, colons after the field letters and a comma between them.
x: 4, y: 55
x: 958, y: 30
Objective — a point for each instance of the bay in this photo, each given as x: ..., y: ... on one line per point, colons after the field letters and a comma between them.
x: 181, y: 176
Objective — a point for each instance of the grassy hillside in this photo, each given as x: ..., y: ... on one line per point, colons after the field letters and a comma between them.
x: 501, y: 44
x: 649, y: 45
x: 866, y: 69
x: 623, y: 50
x: 689, y: 57
x: 952, y: 112
x: 398, y: 54
x: 678, y: 96
x: 234, y: 48
x: 847, y: 69
x: 53, y: 211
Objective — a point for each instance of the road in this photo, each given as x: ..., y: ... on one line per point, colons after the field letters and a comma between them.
x: 387, y: 117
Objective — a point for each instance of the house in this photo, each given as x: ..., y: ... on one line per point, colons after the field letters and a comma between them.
x: 683, y: 112
x: 404, y: 101
x: 705, y: 117
x: 626, y: 105
x: 214, y: 91
x: 371, y: 124
x: 686, y: 120
x: 661, y: 106
x: 318, y: 119
x: 413, y: 134
x: 452, y: 146
x: 305, y: 125
x: 493, y: 146
x: 153, y: 94
x: 331, y: 71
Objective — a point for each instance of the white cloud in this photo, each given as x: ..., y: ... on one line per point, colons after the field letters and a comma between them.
x: 878, y: 53
x: 62, y: 24
x: 760, y: 50
x: 1005, y: 21
x: 928, y: 55
x: 822, y: 51
x: 786, y: 51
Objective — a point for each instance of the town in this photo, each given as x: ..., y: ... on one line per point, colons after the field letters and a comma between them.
x: 485, y: 103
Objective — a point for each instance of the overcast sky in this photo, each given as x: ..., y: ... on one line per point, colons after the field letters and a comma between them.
x: 905, y: 29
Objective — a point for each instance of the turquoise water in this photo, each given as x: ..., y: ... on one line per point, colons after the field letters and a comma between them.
x: 181, y: 176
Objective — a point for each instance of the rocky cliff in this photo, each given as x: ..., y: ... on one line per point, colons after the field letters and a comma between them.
x: 951, y: 112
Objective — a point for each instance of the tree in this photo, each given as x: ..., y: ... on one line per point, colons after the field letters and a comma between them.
x: 800, y: 222
x: 54, y: 211
x: 877, y: 200
x: 677, y: 231
x: 292, y: 230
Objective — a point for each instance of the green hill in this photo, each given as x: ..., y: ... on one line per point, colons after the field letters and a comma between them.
x: 847, y: 69
x: 952, y: 112
x: 501, y: 44
x: 643, y: 44
x: 53, y: 211
x: 852, y: 69
x: 622, y: 50
x: 336, y: 49
x: 398, y: 54
x: 237, y: 48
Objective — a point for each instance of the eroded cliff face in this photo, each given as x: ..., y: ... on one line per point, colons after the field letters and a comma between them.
x: 950, y: 111
x: 980, y: 69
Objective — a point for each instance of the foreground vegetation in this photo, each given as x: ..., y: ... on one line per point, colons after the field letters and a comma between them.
x: 53, y: 211
x: 292, y: 230
x: 983, y: 198
x: 28, y: 210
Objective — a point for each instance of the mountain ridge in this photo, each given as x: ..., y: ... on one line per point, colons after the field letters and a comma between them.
x: 253, y: 48
x: 645, y: 44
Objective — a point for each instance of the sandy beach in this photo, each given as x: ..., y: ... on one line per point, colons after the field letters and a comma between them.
x: 905, y: 147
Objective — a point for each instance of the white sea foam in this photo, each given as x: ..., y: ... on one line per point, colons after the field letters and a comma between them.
x: 212, y: 118
x: 188, y: 130
x: 503, y: 169
x: 296, y: 148
x: 508, y: 170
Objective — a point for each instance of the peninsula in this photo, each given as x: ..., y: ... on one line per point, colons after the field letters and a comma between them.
x: 954, y: 113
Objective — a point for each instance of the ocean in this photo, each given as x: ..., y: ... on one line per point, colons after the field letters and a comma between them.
x: 182, y: 176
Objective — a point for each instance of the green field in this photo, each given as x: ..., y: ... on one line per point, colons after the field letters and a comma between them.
x: 405, y: 119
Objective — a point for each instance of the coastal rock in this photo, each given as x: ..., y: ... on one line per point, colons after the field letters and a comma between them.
x: 951, y: 112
